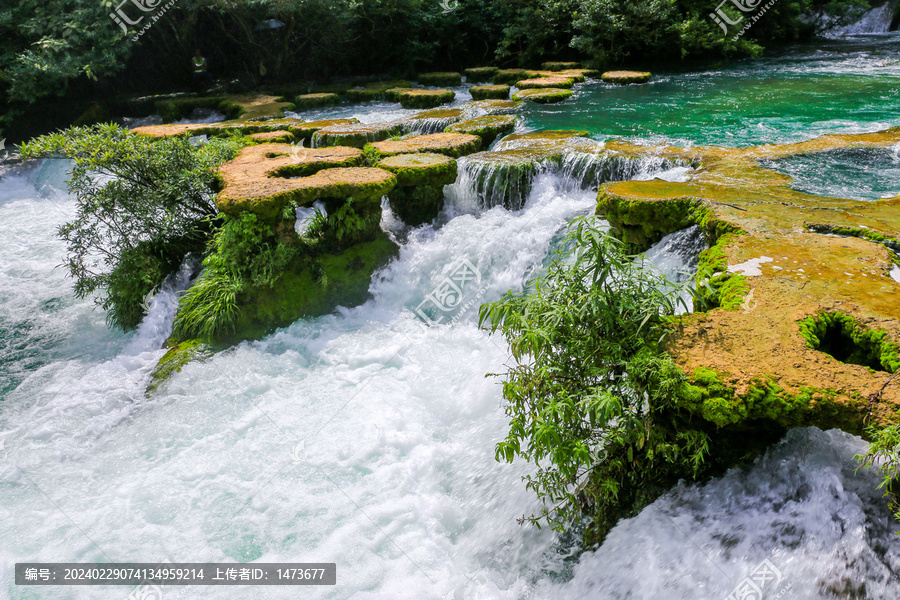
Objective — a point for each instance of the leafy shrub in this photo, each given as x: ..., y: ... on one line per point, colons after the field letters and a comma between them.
x: 142, y: 205
x: 589, y: 393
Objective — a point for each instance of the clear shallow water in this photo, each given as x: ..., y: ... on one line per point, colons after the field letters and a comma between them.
x: 846, y: 87
x: 859, y: 174
x: 367, y: 439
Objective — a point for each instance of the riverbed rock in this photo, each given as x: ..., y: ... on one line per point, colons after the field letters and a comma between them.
x: 416, y: 98
x: 480, y: 74
x: 626, y: 77
x: 421, y: 177
x: 545, y: 82
x: 490, y: 92
x: 487, y: 127
x: 307, y: 101
x: 559, y: 66
x: 795, y: 328
x: 264, y: 179
x: 543, y: 95
x: 356, y: 135
x: 453, y: 145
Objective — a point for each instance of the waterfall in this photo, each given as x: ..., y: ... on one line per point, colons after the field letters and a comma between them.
x: 876, y: 20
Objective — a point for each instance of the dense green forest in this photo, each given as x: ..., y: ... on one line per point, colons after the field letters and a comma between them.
x: 74, y: 49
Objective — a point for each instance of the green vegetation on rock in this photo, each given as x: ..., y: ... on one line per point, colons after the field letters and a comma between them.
x: 488, y: 128
x: 440, y: 79
x: 490, y: 92
x: 543, y: 95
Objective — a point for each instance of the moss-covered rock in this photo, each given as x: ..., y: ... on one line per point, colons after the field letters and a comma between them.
x: 279, y: 136
x: 490, y: 92
x: 511, y: 76
x: 549, y: 135
x: 264, y: 179
x: 440, y: 79
x: 480, y: 74
x: 423, y: 168
x: 301, y: 130
x: 175, y: 359
x: 559, y: 66
x: 355, y: 135
x: 181, y: 108
x: 488, y: 128
x: 300, y: 293
x: 794, y: 328
x: 393, y: 94
x: 417, y: 205
x: 625, y: 77
x: 307, y: 101
x: 543, y: 95
x: 545, y: 82
x: 425, y: 98
x: 453, y: 145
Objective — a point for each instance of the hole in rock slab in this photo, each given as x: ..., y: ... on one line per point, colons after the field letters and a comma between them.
x: 841, y: 337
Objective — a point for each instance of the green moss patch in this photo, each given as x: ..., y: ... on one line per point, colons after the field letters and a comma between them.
x: 511, y: 76
x: 480, y: 74
x: 545, y: 82
x: 559, y: 66
x: 355, y: 135
x: 626, y: 77
x: 307, y: 101
x: 453, y: 145
x: 425, y: 98
x: 543, y: 96
x: 422, y: 168
x: 490, y: 92
x: 417, y: 205
x: 840, y: 336
x: 488, y: 128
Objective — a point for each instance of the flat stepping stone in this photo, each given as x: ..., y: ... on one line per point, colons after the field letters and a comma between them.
x: 453, y: 145
x: 479, y: 74
x: 271, y: 137
x: 307, y: 101
x: 488, y: 128
x: 258, y: 179
x: 490, y: 92
x: 301, y: 129
x: 545, y: 82
x: 356, y: 135
x: 511, y: 76
x: 625, y: 77
x: 423, y: 168
x: 543, y: 95
x: 416, y: 98
x: 559, y: 66
x: 441, y: 78
x: 393, y: 94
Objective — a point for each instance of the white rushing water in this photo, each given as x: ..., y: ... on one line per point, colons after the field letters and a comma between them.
x: 364, y: 438
x: 875, y: 20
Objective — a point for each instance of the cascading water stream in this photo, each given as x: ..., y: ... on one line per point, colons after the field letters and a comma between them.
x: 875, y: 20
x: 367, y: 437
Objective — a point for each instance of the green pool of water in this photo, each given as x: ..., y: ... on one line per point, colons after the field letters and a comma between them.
x: 839, y: 87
